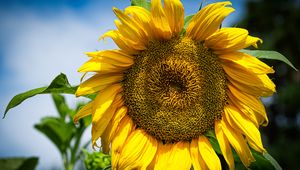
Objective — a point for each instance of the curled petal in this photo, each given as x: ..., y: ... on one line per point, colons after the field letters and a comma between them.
x: 138, y: 151
x: 244, y: 126
x: 208, y: 154
x: 159, y: 21
x: 230, y: 39
x: 175, y: 13
x: 208, y: 20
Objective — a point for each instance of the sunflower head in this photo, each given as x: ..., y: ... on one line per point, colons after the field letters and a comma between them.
x: 165, y: 88
x: 175, y: 90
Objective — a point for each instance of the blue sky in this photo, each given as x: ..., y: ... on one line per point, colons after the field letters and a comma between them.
x: 40, y: 39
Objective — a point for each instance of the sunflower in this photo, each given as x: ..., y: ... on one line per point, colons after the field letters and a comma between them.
x: 167, y: 87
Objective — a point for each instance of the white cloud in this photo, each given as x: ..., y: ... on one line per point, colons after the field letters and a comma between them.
x: 37, y: 49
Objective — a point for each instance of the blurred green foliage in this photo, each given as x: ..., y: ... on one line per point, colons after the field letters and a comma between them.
x: 96, y: 160
x: 18, y: 163
x: 62, y: 132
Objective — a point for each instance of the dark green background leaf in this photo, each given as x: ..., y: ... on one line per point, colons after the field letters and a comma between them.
x: 142, y: 3
x: 18, y: 163
x: 59, y: 85
x: 273, y: 55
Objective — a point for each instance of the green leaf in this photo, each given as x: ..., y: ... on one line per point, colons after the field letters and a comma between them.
x: 272, y: 161
x: 201, y: 5
x: 210, y: 134
x: 142, y: 3
x: 58, y: 131
x: 61, y: 105
x: 187, y: 20
x: 261, y: 163
x: 18, y: 163
x: 273, y: 55
x: 213, y: 141
x: 60, y: 84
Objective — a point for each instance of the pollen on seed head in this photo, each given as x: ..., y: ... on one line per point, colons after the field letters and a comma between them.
x: 175, y: 90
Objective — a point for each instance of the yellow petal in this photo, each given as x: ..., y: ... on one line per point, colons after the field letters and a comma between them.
x: 238, y: 143
x: 96, y: 65
x: 175, y: 14
x: 245, y: 101
x: 105, y: 105
x: 230, y: 39
x: 123, y: 131
x: 244, y: 110
x: 159, y: 21
x: 122, y: 42
x: 160, y: 161
x: 116, y: 121
x: 109, y: 133
x: 98, y: 82
x: 105, y: 144
x: 208, y: 154
x: 243, y: 125
x: 103, y: 101
x: 224, y: 145
x: 197, y: 161
x: 138, y: 151
x: 168, y: 157
x: 130, y: 29
x: 247, y: 81
x: 142, y: 17
x: 244, y: 61
x: 99, y: 127
x: 114, y: 57
x: 83, y: 112
x: 180, y: 153
x: 208, y: 20
x: 252, y: 41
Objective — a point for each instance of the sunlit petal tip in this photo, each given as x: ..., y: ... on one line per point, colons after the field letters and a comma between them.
x: 78, y: 93
x: 91, y: 54
x: 118, y: 12
x: 107, y: 34
x: 81, y: 69
x: 83, y: 112
x: 95, y: 145
x: 270, y: 70
x: 115, y: 9
x: 254, y: 41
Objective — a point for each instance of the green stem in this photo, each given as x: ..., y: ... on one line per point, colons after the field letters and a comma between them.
x: 67, y: 164
x: 65, y: 160
x: 76, y: 145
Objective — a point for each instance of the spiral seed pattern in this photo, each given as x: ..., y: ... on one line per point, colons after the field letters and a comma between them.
x: 175, y: 90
